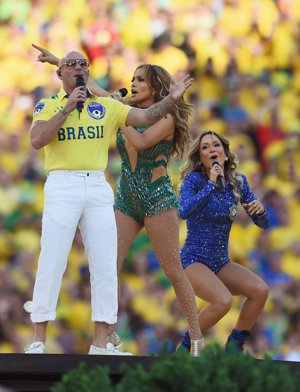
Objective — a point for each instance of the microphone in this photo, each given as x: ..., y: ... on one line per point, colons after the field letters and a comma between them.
x: 220, y: 179
x: 123, y: 91
x: 80, y: 83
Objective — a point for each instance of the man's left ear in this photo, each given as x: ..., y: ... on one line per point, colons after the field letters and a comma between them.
x: 226, y: 158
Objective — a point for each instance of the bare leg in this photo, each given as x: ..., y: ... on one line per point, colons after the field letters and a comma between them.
x: 210, y: 288
x: 163, y: 230
x: 127, y: 229
x: 39, y: 331
x: 241, y: 281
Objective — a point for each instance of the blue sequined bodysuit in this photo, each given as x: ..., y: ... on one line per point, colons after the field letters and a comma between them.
x: 209, y: 213
x: 137, y: 195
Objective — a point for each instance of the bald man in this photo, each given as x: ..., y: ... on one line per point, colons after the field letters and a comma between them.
x: 75, y: 128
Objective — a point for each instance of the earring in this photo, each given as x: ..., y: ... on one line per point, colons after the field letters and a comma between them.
x: 153, y: 93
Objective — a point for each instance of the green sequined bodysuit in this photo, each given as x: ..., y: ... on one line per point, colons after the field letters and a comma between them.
x: 137, y: 195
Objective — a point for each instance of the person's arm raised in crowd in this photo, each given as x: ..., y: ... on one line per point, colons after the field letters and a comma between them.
x: 45, y: 56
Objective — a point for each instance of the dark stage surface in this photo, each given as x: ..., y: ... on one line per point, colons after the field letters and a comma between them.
x: 39, y: 372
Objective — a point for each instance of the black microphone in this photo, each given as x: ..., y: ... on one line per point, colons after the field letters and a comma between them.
x: 123, y: 91
x: 80, y: 82
x: 220, y: 179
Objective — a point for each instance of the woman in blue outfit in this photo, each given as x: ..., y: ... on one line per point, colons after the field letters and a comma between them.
x: 209, y: 194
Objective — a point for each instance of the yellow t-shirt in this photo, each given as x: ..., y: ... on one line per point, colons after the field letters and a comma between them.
x: 83, y: 140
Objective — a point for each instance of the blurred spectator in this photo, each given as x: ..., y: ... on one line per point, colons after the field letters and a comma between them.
x: 102, y: 33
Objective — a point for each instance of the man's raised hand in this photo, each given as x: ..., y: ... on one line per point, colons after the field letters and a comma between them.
x: 45, y: 56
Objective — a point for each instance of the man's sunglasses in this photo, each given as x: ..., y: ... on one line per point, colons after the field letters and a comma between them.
x: 71, y: 64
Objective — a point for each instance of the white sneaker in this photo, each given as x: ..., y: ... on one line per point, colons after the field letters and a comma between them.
x: 109, y: 350
x: 35, y: 348
x: 115, y: 340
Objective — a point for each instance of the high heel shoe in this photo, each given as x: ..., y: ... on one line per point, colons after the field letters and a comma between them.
x: 197, y: 346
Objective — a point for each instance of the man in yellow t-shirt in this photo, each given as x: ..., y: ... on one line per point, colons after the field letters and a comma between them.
x: 75, y: 128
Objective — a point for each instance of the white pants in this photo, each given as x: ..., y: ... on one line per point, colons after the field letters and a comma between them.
x: 75, y: 198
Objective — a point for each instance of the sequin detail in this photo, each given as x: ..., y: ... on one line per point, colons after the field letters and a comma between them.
x: 137, y: 195
x: 210, y: 214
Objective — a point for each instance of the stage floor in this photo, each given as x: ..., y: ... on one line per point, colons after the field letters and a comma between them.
x: 39, y: 372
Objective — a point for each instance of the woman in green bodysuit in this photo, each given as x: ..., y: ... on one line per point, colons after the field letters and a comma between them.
x: 145, y: 187
x: 145, y: 196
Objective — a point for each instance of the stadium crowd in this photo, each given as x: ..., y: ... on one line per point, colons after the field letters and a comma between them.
x: 245, y: 58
